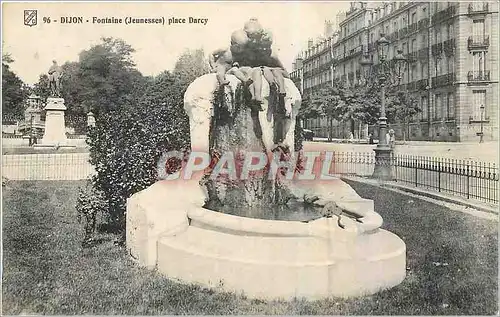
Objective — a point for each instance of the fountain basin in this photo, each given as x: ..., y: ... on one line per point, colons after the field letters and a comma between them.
x: 262, y: 258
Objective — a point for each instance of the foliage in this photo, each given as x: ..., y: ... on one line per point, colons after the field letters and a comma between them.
x: 126, y: 143
x: 191, y: 65
x: 41, y: 88
x: 14, y: 91
x: 90, y: 202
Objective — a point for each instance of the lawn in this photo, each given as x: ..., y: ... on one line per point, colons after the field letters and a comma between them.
x: 452, y: 265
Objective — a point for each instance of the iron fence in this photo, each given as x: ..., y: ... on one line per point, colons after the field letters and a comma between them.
x: 465, y: 178
x: 63, y: 166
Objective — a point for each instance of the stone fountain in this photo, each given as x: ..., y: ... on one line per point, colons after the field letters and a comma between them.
x: 266, y: 234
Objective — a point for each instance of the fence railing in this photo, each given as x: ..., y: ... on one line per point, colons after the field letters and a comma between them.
x: 64, y: 166
x: 465, y: 178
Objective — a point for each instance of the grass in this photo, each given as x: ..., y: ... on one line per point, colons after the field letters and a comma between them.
x: 47, y: 271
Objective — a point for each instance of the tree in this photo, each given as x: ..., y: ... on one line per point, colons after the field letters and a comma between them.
x: 330, y: 102
x: 14, y: 92
x: 41, y: 88
x: 191, y: 65
x: 107, y: 77
x: 401, y: 108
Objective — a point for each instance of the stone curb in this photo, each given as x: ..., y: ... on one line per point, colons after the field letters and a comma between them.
x: 419, y: 192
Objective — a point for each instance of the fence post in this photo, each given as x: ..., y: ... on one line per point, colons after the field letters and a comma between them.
x: 467, y: 173
x: 439, y: 175
x: 416, y: 170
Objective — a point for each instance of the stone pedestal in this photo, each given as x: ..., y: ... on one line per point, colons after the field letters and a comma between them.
x: 55, y: 133
x: 383, y: 165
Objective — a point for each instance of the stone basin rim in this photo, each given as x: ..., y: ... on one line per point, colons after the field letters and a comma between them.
x: 317, y: 228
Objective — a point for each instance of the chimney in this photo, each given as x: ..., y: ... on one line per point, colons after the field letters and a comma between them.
x: 328, y: 28
x: 310, y: 43
x: 298, y: 62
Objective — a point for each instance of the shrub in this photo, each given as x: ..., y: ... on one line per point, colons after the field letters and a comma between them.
x: 89, y: 204
x: 127, y: 142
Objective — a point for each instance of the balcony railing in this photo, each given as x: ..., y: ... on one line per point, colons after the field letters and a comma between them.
x: 412, y: 57
x: 478, y: 76
x: 443, y: 14
x: 449, y: 47
x: 412, y: 28
x: 478, y: 8
x: 356, y: 50
x: 423, y: 24
x: 423, y: 53
x: 412, y: 85
x: 437, y: 49
x: 403, y: 32
x: 443, y: 80
x: 393, y: 36
x: 478, y: 42
x: 423, y: 84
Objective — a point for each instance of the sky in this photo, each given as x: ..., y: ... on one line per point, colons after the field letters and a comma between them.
x: 157, y: 46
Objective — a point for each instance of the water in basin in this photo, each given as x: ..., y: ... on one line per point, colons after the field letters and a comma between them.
x: 293, y: 211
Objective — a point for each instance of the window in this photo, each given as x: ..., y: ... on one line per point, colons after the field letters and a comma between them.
x: 413, y: 45
x: 424, y: 106
x: 478, y: 62
x: 424, y: 41
x: 413, y: 71
x: 423, y: 70
x: 395, y: 26
x: 413, y: 17
x: 479, y: 98
x: 438, y: 109
x: 439, y: 68
x: 437, y: 35
x: 451, y: 106
x: 424, y: 12
x: 451, y: 64
x: 478, y: 29
x: 450, y: 31
x: 405, y: 48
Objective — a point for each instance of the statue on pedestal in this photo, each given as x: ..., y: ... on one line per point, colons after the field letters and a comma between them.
x: 55, y: 75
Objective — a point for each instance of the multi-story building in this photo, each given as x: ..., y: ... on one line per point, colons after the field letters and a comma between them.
x: 452, y: 70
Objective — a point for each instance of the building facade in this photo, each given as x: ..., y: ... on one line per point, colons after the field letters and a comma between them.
x: 452, y: 70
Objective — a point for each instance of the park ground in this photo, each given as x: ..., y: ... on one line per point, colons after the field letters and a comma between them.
x: 452, y: 262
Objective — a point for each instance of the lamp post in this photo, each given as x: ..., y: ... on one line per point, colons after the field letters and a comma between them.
x: 481, y: 134
x: 383, y: 151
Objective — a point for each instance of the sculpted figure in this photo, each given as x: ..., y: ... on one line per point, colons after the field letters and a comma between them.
x: 55, y: 74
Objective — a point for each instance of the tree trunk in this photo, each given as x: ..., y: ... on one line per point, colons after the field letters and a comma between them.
x: 330, y: 128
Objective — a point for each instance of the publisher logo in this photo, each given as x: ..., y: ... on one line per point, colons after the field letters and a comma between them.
x: 30, y: 17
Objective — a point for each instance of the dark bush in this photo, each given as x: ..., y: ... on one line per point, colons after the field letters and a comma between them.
x: 127, y: 142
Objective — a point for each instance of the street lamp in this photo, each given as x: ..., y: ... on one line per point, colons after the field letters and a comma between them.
x: 481, y: 134
x: 383, y: 151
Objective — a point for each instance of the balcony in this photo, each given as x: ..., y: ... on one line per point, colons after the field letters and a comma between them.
x: 411, y: 57
x: 480, y: 76
x: 478, y: 8
x: 422, y: 84
x: 412, y: 28
x: 443, y: 14
x: 423, y: 54
x: 356, y: 50
x: 403, y: 32
x: 423, y: 24
x: 443, y: 80
x: 449, y: 47
x: 478, y: 42
x: 437, y: 49
x: 393, y: 36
